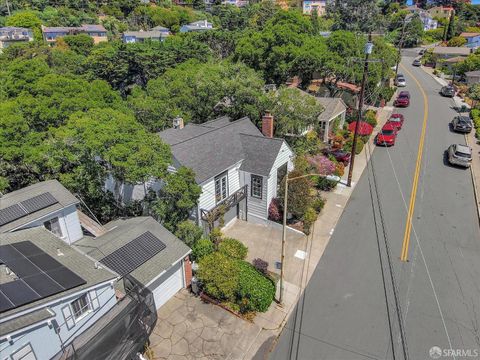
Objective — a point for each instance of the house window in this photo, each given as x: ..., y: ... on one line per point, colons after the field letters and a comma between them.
x: 53, y: 225
x: 24, y: 353
x: 221, y: 187
x: 256, y: 186
x: 80, y: 307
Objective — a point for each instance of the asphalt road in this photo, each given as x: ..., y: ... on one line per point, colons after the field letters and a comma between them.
x: 344, y: 313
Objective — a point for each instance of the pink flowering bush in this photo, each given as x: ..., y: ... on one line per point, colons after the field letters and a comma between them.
x: 322, y: 164
x: 274, y: 211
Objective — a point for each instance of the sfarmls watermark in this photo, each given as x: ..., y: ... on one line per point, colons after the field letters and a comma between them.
x: 437, y: 353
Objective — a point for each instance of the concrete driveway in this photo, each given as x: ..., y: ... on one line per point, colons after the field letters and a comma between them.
x: 265, y: 242
x: 188, y: 328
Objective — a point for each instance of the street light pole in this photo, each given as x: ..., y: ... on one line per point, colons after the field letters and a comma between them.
x: 368, y: 51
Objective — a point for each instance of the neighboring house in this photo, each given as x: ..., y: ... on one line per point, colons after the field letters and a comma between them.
x: 473, y: 39
x: 237, y: 3
x: 201, y: 25
x: 97, y: 32
x: 238, y: 167
x: 442, y: 12
x: 158, y: 33
x: 46, y: 204
x: 63, y: 271
x: 12, y: 35
x: 310, y: 6
x: 163, y: 266
x: 333, y: 115
x: 49, y: 294
x: 473, y: 77
x: 428, y: 22
x: 444, y: 52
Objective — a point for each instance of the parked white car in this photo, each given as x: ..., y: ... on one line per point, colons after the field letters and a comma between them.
x: 460, y: 155
x: 400, y: 81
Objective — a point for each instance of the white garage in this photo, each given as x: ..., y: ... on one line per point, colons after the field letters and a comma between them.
x: 167, y: 285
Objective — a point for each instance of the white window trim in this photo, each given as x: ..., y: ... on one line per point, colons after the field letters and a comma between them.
x: 86, y: 313
x: 252, y: 176
x: 23, y: 347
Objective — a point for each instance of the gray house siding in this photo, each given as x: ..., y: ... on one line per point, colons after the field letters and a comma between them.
x: 42, y: 337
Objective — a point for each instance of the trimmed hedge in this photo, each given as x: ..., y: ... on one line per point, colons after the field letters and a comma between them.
x: 202, y: 248
x: 255, y: 291
x: 475, y: 114
x: 219, y: 275
x: 233, y: 248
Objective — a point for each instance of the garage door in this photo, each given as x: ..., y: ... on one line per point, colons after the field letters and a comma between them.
x: 168, y: 285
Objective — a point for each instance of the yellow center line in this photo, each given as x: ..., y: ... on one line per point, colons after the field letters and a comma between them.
x: 413, y: 195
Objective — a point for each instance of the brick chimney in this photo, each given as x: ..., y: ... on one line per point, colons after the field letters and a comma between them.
x: 178, y: 123
x: 267, y: 124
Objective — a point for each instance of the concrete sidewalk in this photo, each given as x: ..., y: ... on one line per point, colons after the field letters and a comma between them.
x: 275, y: 318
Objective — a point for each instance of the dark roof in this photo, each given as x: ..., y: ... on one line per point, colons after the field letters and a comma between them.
x: 213, y: 147
x: 32, y: 318
x: 122, y: 231
x: 62, y: 195
x: 70, y: 258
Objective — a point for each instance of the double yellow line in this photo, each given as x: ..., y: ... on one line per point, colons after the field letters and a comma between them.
x: 413, y: 195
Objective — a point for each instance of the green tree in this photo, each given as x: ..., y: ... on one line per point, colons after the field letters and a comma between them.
x: 299, y: 199
x: 189, y: 232
x: 294, y: 110
x: 474, y: 94
x: 451, y: 27
x: 27, y: 19
x: 80, y: 43
x: 177, y: 198
x: 355, y: 15
x: 457, y: 41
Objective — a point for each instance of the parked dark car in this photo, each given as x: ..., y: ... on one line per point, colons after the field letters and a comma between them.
x: 448, y: 91
x: 339, y: 155
x: 403, y: 99
x: 462, y: 124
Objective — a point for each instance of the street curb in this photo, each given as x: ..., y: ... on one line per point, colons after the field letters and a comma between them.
x: 475, y: 191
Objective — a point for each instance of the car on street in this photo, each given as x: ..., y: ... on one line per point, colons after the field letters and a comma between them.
x: 421, y: 52
x: 387, y: 135
x: 397, y: 120
x: 417, y: 62
x: 460, y: 155
x: 339, y: 155
x: 447, y: 91
x: 400, y: 81
x: 403, y: 99
x: 462, y: 124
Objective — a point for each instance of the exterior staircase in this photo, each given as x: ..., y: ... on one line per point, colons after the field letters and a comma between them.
x: 90, y: 225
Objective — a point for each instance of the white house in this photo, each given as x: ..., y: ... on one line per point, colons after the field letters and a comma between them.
x: 63, y: 276
x: 202, y: 25
x: 238, y: 166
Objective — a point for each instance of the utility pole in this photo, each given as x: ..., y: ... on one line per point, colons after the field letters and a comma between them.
x: 400, y: 45
x: 368, y: 51
x: 284, y: 237
x: 8, y: 7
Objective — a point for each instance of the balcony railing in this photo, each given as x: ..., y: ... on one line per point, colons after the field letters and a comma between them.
x: 210, y: 216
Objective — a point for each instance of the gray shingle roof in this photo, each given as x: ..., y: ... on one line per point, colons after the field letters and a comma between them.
x: 473, y: 73
x: 333, y: 107
x: 32, y: 318
x: 213, y: 147
x: 152, y: 34
x: 445, y: 50
x: 71, y: 259
x: 63, y: 196
x: 122, y: 232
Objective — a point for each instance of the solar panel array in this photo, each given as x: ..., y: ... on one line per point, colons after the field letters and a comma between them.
x: 133, y: 254
x: 39, y: 275
x: 26, y: 207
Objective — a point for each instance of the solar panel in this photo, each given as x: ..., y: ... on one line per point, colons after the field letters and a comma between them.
x: 18, y: 292
x: 42, y: 284
x: 133, y: 254
x: 8, y: 252
x: 38, y: 202
x: 40, y: 275
x: 11, y: 213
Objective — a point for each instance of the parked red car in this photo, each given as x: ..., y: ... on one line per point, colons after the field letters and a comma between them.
x: 339, y: 155
x: 403, y: 99
x: 387, y: 135
x: 397, y: 120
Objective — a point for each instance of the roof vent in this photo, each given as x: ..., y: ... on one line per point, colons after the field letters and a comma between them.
x: 59, y: 252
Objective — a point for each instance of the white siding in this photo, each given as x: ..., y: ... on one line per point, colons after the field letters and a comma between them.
x: 284, y: 155
x: 69, y: 223
x: 207, y: 198
x: 256, y: 207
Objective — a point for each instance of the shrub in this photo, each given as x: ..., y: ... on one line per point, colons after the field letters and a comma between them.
x: 215, y: 236
x: 322, y: 164
x: 188, y: 232
x: 324, y: 184
x: 202, y: 248
x: 371, y: 117
x: 260, y: 265
x: 339, y: 169
x: 274, y: 210
x: 457, y: 41
x: 298, y: 194
x: 308, y: 219
x: 359, y: 147
x: 255, y: 291
x: 233, y: 248
x: 318, y: 204
x: 219, y: 275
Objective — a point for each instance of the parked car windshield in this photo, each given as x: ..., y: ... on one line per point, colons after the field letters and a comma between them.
x: 461, y: 154
x: 387, y: 132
